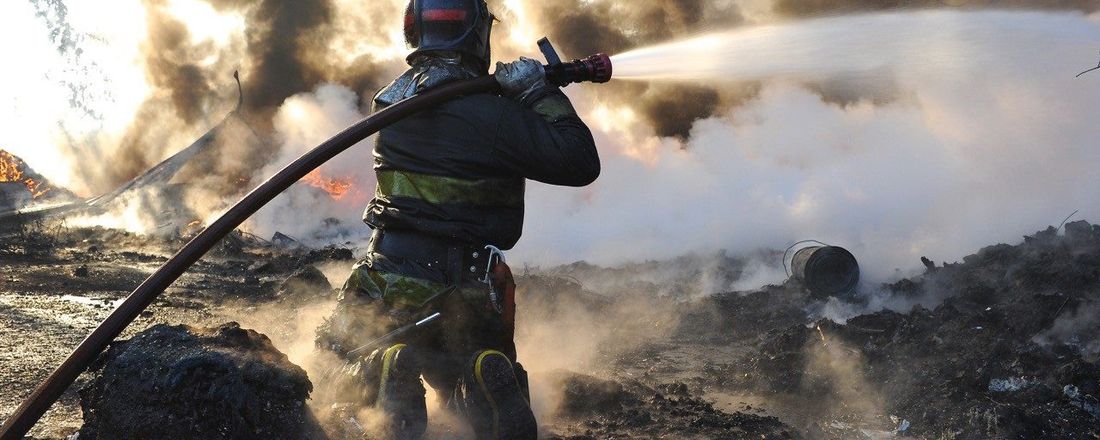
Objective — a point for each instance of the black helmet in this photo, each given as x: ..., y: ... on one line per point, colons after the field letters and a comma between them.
x: 449, y: 25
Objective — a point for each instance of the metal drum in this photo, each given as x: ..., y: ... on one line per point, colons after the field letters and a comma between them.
x: 826, y: 270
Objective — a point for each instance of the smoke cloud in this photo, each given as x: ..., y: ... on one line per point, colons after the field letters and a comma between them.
x: 930, y: 163
x: 979, y: 148
x: 580, y: 29
x: 281, y: 49
x: 304, y: 121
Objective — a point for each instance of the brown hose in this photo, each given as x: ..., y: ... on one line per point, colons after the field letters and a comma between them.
x: 20, y: 422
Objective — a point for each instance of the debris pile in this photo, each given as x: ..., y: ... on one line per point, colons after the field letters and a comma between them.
x: 305, y: 284
x: 60, y: 282
x: 1002, y: 345
x: 610, y: 409
x: 196, y: 383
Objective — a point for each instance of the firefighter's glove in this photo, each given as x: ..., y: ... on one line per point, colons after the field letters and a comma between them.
x: 522, y: 79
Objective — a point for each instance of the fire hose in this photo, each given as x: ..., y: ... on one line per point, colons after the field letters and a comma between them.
x: 596, y: 68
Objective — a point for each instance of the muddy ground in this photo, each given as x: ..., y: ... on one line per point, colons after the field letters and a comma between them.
x: 1001, y: 345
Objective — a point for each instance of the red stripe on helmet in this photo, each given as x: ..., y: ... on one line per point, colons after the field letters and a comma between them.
x: 444, y: 15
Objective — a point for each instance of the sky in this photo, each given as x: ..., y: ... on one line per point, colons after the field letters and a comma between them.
x: 895, y: 133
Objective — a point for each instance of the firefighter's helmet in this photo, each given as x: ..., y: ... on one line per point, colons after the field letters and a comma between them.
x: 449, y: 25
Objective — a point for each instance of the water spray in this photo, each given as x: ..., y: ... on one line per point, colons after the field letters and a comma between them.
x: 939, y: 42
x: 596, y: 68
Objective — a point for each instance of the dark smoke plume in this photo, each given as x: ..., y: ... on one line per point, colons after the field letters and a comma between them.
x: 582, y: 28
x: 284, y: 50
x: 182, y: 104
x: 281, y: 35
x: 675, y: 109
x: 169, y: 67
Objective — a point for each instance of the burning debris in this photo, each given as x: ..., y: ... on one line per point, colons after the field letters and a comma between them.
x: 164, y: 195
x: 171, y: 198
x: 20, y: 186
x: 337, y: 187
x: 192, y: 383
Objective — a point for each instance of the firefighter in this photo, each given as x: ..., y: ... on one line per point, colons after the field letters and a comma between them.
x: 450, y: 197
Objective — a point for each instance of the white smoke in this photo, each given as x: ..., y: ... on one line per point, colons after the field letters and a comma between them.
x: 304, y: 211
x: 993, y: 147
x: 983, y: 152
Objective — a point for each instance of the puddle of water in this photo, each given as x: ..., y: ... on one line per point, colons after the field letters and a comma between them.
x: 53, y: 309
x: 92, y: 302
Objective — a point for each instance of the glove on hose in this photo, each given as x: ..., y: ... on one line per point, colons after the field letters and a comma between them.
x: 521, y: 79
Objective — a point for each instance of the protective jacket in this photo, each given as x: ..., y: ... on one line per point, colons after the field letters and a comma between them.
x: 457, y: 171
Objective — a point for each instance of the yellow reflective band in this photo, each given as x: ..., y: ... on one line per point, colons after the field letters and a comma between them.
x: 485, y: 389
x: 387, y: 363
x: 438, y: 190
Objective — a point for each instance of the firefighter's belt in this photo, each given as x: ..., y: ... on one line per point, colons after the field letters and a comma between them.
x: 461, y: 263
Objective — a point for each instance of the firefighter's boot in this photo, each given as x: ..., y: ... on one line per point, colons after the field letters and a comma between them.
x: 495, y: 398
x: 400, y: 393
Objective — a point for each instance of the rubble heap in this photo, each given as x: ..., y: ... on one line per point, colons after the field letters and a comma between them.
x: 1009, y: 349
x: 609, y: 409
x: 181, y: 382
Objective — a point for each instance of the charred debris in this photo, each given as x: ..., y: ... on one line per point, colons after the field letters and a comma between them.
x: 1004, y: 344
x: 182, y: 382
x: 26, y: 197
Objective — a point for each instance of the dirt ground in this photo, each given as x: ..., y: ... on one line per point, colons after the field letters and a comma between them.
x: 1001, y: 345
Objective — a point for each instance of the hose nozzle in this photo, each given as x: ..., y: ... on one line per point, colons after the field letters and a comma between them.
x: 596, y: 68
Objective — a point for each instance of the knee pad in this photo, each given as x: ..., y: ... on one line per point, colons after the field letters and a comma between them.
x: 495, y: 399
x: 399, y: 393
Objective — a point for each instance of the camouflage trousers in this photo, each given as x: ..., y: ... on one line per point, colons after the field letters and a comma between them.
x: 468, y: 355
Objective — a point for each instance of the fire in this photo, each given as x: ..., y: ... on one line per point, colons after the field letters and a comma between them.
x: 336, y: 187
x: 11, y: 170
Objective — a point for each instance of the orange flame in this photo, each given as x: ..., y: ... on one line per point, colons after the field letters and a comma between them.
x: 336, y: 187
x: 11, y: 170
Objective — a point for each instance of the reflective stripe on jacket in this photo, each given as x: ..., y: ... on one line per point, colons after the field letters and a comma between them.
x: 458, y: 170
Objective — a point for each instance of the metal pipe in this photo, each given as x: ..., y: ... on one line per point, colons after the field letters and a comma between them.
x: 32, y: 409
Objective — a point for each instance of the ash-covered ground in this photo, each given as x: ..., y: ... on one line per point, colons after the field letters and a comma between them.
x: 1003, y: 344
